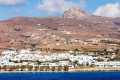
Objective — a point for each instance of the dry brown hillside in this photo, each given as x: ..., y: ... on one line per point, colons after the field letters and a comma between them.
x: 25, y: 32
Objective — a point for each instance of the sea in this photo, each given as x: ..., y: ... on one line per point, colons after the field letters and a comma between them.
x: 61, y: 76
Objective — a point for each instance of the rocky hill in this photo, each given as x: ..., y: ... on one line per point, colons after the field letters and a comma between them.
x: 75, y: 13
x: 79, y: 14
x: 25, y: 32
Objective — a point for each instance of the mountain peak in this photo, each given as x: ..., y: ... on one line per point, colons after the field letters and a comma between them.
x: 74, y: 12
x: 74, y: 8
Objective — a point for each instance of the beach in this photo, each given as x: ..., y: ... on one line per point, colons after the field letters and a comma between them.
x: 70, y: 70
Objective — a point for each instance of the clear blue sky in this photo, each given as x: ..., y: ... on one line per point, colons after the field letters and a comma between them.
x: 28, y: 8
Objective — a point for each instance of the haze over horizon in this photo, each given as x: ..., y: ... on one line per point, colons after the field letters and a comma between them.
x: 45, y: 8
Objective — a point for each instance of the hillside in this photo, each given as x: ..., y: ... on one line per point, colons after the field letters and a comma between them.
x: 25, y: 32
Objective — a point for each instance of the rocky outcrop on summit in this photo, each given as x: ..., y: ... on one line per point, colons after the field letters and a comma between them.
x: 75, y: 13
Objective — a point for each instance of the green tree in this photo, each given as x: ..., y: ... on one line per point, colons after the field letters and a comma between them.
x: 41, y: 68
x: 75, y: 63
x: 0, y: 67
x: 59, y: 68
x: 22, y: 67
x: 17, y: 67
x: 66, y: 67
x: 106, y: 53
x: 36, y: 68
x: 11, y: 68
x: 39, y: 62
x: 53, y: 68
x: 91, y: 65
x: 117, y: 51
x: 100, y: 59
x: 81, y: 65
x: 55, y: 61
x: 47, y: 68
x: 30, y: 67
x: 20, y: 61
x: 87, y: 64
x: 5, y: 67
x: 117, y: 58
x: 73, y: 54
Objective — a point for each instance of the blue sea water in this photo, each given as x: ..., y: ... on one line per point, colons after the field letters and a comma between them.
x: 62, y: 76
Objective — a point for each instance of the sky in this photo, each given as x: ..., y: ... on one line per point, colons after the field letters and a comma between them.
x: 56, y: 8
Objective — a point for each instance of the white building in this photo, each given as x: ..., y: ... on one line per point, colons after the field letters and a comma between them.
x: 61, y: 63
x: 9, y: 52
x: 83, y: 59
x: 112, y: 64
x: 24, y: 51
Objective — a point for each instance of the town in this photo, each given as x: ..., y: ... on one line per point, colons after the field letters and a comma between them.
x: 25, y: 59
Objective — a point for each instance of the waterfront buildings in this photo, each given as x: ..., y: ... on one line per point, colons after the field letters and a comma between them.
x: 26, y: 58
x: 110, y: 64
